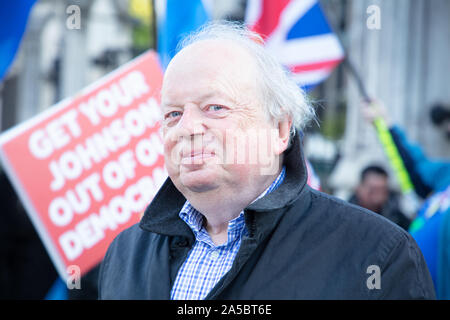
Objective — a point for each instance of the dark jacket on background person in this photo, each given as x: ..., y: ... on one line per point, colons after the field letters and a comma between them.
x: 301, y: 244
x: 26, y: 271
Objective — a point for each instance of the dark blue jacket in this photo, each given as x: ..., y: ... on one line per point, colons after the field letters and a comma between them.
x: 302, y: 244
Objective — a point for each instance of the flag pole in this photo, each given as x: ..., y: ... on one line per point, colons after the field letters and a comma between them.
x: 153, y: 25
x: 360, y: 84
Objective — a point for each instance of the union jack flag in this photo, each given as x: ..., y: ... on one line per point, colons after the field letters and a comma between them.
x: 298, y: 34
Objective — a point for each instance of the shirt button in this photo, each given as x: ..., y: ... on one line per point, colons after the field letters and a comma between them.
x: 214, y: 254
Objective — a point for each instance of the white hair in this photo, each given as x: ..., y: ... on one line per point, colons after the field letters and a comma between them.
x: 281, y: 95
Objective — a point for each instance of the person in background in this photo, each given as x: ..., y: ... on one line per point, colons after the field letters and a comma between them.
x: 431, y: 179
x: 373, y: 193
x: 26, y: 271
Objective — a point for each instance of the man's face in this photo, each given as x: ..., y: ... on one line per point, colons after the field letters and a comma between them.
x: 373, y: 191
x: 214, y: 120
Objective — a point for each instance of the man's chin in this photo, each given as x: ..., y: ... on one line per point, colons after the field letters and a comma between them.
x: 199, y: 181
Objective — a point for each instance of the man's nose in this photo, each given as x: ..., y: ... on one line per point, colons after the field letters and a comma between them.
x: 191, y: 122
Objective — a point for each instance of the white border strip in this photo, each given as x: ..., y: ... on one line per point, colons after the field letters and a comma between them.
x: 307, y: 50
x: 311, y: 77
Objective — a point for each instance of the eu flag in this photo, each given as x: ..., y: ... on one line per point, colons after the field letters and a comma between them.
x: 13, y: 19
x: 176, y: 19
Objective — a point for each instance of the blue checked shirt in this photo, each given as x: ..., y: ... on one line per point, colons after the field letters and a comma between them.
x: 207, y: 263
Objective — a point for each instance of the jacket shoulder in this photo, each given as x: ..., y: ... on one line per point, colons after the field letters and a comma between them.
x: 353, y: 214
x: 127, y: 242
x: 378, y: 241
x: 123, y: 257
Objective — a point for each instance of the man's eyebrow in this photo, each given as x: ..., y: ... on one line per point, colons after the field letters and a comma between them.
x: 167, y: 104
x: 225, y: 96
x: 208, y: 95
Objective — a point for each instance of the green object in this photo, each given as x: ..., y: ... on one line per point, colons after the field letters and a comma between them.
x: 393, y: 155
x: 416, y: 224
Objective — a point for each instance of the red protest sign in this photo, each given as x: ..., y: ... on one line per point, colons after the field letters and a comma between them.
x: 86, y: 168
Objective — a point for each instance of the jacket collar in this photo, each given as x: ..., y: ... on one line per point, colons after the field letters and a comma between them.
x: 162, y: 215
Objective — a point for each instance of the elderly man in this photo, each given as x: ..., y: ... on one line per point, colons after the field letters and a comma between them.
x: 235, y: 219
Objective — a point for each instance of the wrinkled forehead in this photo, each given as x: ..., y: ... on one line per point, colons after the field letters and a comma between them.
x: 215, y: 64
x: 213, y: 55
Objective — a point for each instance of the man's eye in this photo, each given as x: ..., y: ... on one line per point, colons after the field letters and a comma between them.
x: 172, y: 114
x: 214, y: 107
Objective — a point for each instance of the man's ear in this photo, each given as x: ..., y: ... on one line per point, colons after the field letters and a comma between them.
x: 284, y: 134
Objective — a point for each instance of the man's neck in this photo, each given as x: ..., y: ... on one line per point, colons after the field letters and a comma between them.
x: 219, y: 210
x: 218, y: 234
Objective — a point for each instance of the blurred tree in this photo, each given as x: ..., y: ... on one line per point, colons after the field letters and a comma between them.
x: 144, y: 27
